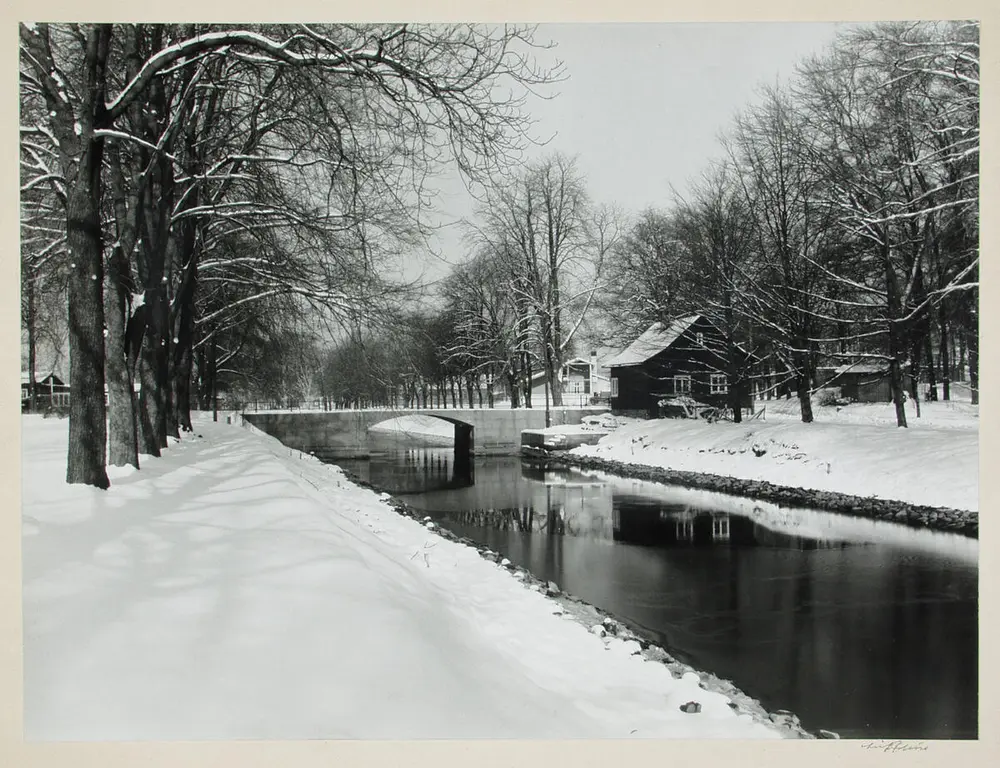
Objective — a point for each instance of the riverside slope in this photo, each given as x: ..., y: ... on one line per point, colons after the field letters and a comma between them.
x: 234, y: 589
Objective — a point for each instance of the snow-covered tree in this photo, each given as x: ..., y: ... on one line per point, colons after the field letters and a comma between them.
x: 544, y: 226
x: 307, y: 132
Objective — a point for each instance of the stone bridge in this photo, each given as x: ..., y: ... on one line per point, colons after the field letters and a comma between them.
x: 344, y: 434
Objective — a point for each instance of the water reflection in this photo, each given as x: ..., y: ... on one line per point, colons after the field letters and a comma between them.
x: 416, y: 470
x: 647, y: 523
x: 859, y: 626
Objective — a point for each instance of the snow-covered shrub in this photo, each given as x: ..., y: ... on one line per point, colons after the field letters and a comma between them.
x: 681, y: 406
x: 828, y: 396
x: 57, y: 411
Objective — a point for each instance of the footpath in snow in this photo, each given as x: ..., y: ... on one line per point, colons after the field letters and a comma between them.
x: 233, y: 589
x: 855, y: 450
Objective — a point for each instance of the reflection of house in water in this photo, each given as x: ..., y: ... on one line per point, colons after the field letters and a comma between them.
x: 648, y: 523
x: 553, y: 501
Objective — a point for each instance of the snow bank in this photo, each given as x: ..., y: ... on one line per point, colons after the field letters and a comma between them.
x: 929, y: 464
x: 234, y: 589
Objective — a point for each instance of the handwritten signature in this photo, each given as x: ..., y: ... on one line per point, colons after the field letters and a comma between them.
x: 895, y: 746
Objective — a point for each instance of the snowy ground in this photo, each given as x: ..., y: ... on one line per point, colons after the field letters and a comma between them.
x: 235, y: 589
x: 856, y: 449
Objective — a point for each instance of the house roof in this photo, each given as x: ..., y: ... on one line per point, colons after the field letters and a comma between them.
x: 876, y: 368
x: 861, y: 368
x: 39, y: 377
x: 654, y: 340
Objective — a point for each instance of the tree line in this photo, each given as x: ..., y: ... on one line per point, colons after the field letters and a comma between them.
x: 204, y: 207
x: 510, y: 314
x: 202, y: 191
x: 841, y: 223
x: 839, y: 226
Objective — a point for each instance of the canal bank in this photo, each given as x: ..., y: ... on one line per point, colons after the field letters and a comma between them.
x: 616, y: 632
x: 827, y: 615
x: 236, y: 589
x: 852, y: 460
x: 938, y: 518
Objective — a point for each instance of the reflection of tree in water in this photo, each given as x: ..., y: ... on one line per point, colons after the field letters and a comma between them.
x: 420, y: 470
x: 524, y: 519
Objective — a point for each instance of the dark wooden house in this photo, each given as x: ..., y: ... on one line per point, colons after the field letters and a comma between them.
x: 682, y: 361
x: 861, y: 382
x: 50, y: 392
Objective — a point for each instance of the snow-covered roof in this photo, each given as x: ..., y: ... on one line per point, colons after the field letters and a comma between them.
x: 654, y: 340
x: 39, y: 376
x: 861, y: 368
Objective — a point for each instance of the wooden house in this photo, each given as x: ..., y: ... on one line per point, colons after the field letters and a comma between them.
x: 583, y: 382
x: 50, y: 392
x: 860, y: 382
x: 682, y: 360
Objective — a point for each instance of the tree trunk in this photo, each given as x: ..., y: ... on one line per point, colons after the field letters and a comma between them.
x: 735, y: 387
x: 895, y: 334
x: 959, y: 372
x: 973, y: 345
x: 555, y: 384
x: 87, y: 428
x: 182, y: 381
x: 732, y: 364
x: 526, y: 382
x: 551, y: 368
x: 32, y: 343
x: 896, y: 385
x: 803, y: 380
x: 123, y: 445
x: 125, y: 324
x: 915, y: 375
x: 86, y: 452
x: 929, y: 359
x: 213, y: 362
x: 155, y: 239
x: 945, y: 354
x: 805, y: 401
x: 183, y: 352
x: 149, y: 440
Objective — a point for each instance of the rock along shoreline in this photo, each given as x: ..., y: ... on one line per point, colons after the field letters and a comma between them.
x: 958, y: 521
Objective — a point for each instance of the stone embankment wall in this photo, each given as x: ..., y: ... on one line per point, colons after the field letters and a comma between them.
x: 939, y: 518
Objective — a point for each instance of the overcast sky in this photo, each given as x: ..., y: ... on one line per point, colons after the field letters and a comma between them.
x: 643, y: 104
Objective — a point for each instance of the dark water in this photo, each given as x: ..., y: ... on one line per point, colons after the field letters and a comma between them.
x: 868, y: 629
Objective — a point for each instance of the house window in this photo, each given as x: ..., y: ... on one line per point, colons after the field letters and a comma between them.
x: 614, y: 386
x: 701, y: 339
x: 719, y: 384
x: 682, y: 385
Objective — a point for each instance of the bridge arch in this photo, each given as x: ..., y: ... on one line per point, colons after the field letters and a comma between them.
x: 462, y: 435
